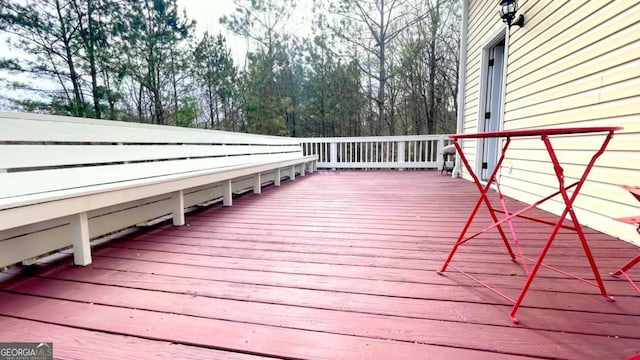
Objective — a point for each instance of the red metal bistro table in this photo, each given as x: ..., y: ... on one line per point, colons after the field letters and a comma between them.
x: 568, y: 199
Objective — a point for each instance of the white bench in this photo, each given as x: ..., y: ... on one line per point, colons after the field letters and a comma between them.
x: 64, y: 181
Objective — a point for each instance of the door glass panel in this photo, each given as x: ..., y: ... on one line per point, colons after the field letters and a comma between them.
x: 495, y: 79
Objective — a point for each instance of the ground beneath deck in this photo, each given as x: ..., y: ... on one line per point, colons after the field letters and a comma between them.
x: 336, y: 265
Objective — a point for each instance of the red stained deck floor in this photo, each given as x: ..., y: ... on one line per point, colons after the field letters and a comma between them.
x: 338, y: 265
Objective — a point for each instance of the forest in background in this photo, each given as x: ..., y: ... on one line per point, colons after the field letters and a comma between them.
x: 370, y: 67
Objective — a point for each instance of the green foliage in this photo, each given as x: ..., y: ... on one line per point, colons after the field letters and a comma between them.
x: 151, y: 33
x: 215, y: 75
x: 138, y: 60
x: 187, y: 112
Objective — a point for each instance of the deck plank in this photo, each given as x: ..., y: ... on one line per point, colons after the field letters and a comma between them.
x: 346, y: 270
x: 100, y: 345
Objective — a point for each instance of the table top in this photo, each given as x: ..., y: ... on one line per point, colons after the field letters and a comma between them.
x: 537, y: 132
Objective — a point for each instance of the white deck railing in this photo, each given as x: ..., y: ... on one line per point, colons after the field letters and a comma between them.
x: 377, y: 152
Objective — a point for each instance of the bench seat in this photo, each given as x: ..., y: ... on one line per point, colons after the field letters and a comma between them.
x: 61, y: 177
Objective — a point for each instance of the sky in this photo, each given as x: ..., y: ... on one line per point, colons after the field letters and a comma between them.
x: 207, y: 13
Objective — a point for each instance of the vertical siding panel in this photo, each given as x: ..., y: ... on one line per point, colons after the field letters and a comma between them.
x: 573, y: 64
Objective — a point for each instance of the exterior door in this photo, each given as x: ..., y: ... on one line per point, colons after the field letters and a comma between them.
x: 493, y: 106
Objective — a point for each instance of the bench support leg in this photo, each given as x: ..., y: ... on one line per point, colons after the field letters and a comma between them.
x: 278, y: 175
x: 293, y: 173
x: 310, y: 167
x: 303, y: 169
x: 257, y: 186
x: 80, y: 236
x: 178, y: 208
x: 227, y: 196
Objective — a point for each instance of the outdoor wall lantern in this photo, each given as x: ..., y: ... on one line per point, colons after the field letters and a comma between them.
x: 508, y: 9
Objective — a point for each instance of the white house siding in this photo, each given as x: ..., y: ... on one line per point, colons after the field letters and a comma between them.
x: 574, y: 63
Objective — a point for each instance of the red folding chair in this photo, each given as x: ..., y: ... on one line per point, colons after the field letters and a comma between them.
x: 635, y: 191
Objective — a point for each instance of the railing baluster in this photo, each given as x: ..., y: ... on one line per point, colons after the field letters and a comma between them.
x: 366, y: 152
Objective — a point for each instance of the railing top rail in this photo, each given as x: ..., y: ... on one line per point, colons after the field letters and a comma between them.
x: 375, y: 138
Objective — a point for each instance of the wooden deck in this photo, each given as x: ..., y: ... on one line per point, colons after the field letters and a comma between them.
x: 338, y: 265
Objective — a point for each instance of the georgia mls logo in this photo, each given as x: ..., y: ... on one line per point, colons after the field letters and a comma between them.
x: 26, y: 351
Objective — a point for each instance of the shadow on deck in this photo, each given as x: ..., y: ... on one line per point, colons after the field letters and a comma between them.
x: 338, y: 265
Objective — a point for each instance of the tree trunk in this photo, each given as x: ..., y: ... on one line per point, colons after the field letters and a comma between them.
x: 382, y: 70
x: 157, y: 107
x: 73, y: 75
x: 91, y: 53
x: 140, y: 93
x: 88, y: 35
x: 434, y: 26
x: 432, y: 90
x: 174, y: 84
x: 210, y: 101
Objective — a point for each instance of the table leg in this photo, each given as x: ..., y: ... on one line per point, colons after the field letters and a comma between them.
x: 569, y: 202
x: 559, y: 171
x: 483, y: 198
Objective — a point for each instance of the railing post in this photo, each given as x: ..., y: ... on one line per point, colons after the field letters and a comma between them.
x: 401, y: 154
x: 333, y: 153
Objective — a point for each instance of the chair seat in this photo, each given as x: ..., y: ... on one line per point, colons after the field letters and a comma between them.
x: 448, y: 152
x: 449, y: 149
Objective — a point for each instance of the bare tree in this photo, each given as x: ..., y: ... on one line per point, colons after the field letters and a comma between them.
x: 372, y: 26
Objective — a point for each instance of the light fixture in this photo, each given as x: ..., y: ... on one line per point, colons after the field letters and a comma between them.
x: 508, y: 10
